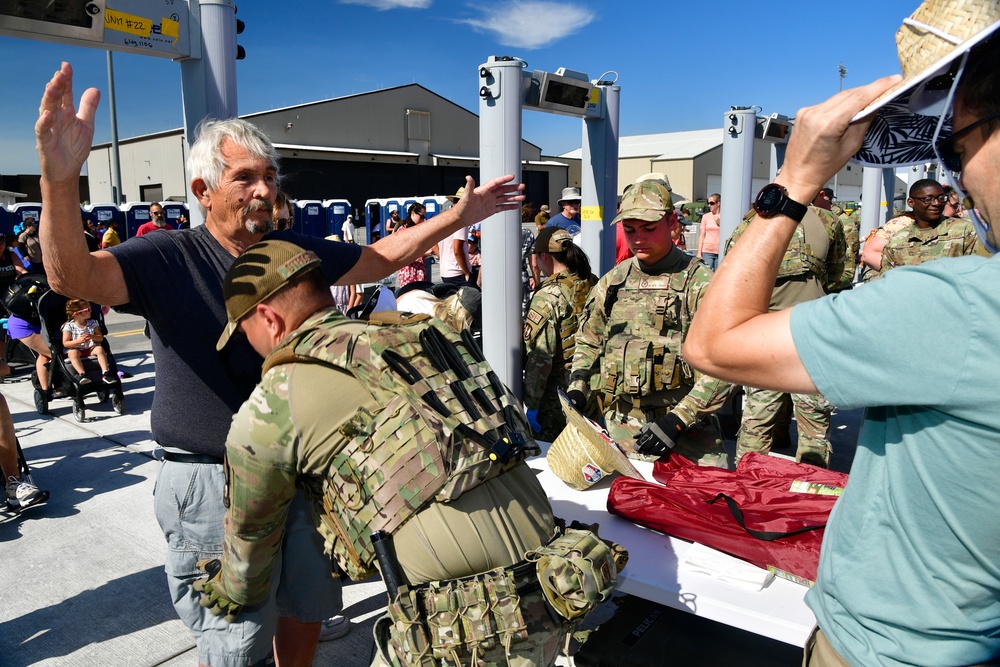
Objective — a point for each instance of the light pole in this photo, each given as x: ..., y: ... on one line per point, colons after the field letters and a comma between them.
x: 842, y: 72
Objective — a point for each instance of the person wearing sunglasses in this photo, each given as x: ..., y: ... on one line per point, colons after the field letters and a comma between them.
x: 932, y: 234
x: 157, y: 221
x: 908, y: 569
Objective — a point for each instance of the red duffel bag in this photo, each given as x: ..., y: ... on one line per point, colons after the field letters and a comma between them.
x: 751, y: 513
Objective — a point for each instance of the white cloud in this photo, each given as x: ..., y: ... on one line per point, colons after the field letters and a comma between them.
x: 531, y: 24
x: 390, y: 4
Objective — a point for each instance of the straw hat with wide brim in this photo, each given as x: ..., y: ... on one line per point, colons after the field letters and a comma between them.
x: 583, y: 455
x: 929, y: 43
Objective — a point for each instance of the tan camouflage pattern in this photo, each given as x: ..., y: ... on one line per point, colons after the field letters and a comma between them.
x: 953, y: 237
x: 852, y: 238
x: 630, y: 355
x: 577, y: 572
x: 762, y: 416
x: 549, y: 343
x: 647, y: 200
x: 813, y: 264
x: 378, y: 466
x: 885, y: 232
x: 489, y: 638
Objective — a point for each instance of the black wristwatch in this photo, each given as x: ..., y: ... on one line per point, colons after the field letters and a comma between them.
x: 773, y: 200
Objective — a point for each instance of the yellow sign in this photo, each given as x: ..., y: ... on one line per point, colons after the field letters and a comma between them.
x: 592, y: 213
x: 133, y: 25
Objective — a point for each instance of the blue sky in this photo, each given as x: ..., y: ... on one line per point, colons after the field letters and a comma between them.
x: 681, y: 65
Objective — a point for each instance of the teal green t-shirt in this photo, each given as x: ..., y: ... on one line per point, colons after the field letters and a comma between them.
x: 910, y: 566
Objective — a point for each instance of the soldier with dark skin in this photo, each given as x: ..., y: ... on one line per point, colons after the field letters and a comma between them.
x: 550, y: 328
x: 628, y: 347
x: 932, y: 234
x: 466, y: 526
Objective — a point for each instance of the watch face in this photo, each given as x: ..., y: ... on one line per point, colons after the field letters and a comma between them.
x: 769, y: 198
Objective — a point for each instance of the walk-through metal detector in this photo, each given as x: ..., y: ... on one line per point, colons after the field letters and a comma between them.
x: 505, y: 88
x: 741, y: 126
x: 201, y: 34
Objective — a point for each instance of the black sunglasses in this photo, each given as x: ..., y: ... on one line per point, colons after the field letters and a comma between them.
x: 946, y: 147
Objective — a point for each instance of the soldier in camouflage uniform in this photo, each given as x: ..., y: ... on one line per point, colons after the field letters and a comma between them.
x: 412, y: 435
x: 931, y: 235
x: 813, y: 265
x: 550, y: 327
x: 850, y: 223
x: 628, y: 346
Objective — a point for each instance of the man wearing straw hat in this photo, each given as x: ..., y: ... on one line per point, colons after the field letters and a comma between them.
x: 908, y: 571
x: 628, y: 345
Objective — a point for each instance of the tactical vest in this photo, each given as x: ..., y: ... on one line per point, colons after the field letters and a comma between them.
x: 646, y: 321
x: 575, y: 291
x: 444, y: 424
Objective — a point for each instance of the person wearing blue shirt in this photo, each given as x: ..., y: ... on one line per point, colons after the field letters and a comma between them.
x: 569, y: 217
x: 908, y: 571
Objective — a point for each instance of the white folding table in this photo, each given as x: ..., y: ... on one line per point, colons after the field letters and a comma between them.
x: 777, y: 611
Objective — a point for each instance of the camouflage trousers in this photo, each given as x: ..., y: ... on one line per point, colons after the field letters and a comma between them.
x: 544, y: 637
x: 762, y: 417
x: 702, y: 443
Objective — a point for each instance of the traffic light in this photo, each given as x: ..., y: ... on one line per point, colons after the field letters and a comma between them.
x: 241, y: 53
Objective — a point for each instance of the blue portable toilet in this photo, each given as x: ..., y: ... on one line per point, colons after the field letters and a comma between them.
x: 310, y: 218
x: 23, y: 211
x: 337, y: 211
x: 5, y: 226
x: 136, y: 214
x: 434, y: 205
x: 375, y: 215
x: 103, y: 214
x: 172, y: 210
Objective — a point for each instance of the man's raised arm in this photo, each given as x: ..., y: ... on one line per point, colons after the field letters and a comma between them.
x: 392, y: 252
x: 733, y: 336
x: 63, y: 140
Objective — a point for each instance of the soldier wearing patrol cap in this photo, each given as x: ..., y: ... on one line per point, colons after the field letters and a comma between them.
x: 550, y: 327
x: 412, y: 440
x: 812, y: 267
x: 628, y: 346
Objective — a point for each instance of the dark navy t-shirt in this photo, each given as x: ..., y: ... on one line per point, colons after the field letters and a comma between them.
x: 174, y: 280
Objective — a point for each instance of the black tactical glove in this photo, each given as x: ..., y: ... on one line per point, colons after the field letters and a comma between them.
x: 213, y: 594
x: 659, y: 436
x: 577, y: 398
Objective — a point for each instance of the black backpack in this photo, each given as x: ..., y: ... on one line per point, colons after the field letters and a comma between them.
x: 21, y: 298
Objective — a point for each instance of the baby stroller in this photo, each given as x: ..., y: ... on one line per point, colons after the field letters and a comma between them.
x: 62, y: 377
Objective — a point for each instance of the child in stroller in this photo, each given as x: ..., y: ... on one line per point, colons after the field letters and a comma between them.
x: 52, y: 311
x: 81, y: 336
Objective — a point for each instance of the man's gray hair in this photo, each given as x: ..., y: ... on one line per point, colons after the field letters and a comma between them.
x: 205, y: 159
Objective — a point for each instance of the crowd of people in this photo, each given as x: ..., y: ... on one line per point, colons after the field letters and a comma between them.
x: 652, y: 349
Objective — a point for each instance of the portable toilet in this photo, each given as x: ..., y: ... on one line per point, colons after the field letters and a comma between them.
x: 374, y: 219
x: 5, y: 226
x: 310, y: 218
x: 21, y: 212
x: 136, y: 214
x: 173, y: 210
x: 434, y: 205
x: 103, y: 214
x: 337, y: 211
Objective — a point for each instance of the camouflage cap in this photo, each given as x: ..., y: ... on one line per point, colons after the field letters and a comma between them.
x: 648, y: 200
x: 257, y: 275
x: 552, y: 239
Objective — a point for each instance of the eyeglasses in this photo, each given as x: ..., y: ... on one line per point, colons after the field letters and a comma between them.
x: 712, y: 203
x: 284, y: 222
x: 946, y: 147
x: 156, y: 213
x: 941, y: 199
